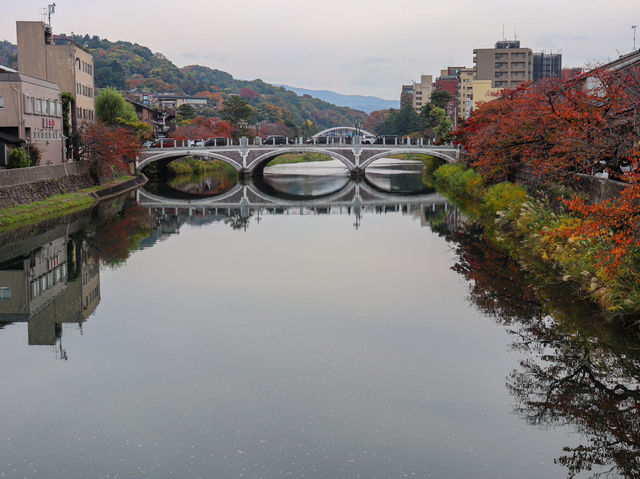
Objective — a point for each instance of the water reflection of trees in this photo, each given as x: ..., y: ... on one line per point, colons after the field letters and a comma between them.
x: 113, y: 237
x: 576, y: 370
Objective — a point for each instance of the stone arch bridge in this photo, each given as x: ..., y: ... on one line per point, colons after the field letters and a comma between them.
x: 250, y: 159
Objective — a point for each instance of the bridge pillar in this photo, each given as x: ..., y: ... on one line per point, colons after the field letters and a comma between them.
x: 357, y: 173
x: 244, y: 174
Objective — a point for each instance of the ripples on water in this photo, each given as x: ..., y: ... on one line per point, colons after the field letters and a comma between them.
x: 350, y: 338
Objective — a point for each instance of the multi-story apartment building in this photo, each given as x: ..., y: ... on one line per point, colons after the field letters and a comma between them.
x: 31, y: 111
x: 69, y: 65
x: 465, y: 92
x: 422, y: 92
x: 507, y: 65
x: 449, y: 81
x: 547, y: 65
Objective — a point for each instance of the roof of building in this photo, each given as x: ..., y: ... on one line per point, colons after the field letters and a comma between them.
x: 11, y: 139
x: 10, y: 75
x: 624, y: 61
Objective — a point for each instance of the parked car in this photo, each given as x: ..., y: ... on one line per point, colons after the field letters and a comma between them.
x: 216, y: 141
x: 319, y: 140
x: 163, y: 143
x: 275, y: 140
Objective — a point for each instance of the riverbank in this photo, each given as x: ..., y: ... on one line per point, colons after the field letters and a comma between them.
x: 60, y: 205
x: 531, y: 229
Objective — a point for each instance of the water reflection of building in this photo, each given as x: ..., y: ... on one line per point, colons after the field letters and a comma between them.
x: 48, y: 286
x: 441, y: 217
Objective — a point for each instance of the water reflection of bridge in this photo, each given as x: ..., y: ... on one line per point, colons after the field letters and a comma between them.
x: 354, y: 197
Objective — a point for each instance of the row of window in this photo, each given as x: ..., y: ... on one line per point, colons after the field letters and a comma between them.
x: 85, y: 114
x: 84, y: 90
x: 519, y: 74
x: 48, y: 280
x: 84, y: 66
x: 47, y: 135
x: 501, y: 56
x: 90, y: 273
x: 42, y: 106
x: 5, y: 293
x: 93, y: 295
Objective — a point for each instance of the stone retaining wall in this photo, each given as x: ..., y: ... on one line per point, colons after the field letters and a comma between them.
x: 40, y: 190
x: 21, y: 176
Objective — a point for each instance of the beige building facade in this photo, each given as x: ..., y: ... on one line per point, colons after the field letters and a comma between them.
x: 465, y: 92
x: 482, y: 91
x: 507, y: 65
x: 31, y: 110
x: 422, y: 92
x: 69, y: 65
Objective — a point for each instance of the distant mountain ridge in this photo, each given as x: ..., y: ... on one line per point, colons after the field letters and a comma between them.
x: 357, y: 102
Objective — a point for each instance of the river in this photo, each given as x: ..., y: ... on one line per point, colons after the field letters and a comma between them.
x: 345, y: 330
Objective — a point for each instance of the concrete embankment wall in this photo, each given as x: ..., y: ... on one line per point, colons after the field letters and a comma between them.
x: 600, y: 189
x: 26, y: 185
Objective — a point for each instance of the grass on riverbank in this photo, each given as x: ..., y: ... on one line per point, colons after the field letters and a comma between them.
x: 53, y: 207
x: 524, y: 228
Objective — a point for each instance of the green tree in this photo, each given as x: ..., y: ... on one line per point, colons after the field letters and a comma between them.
x: 186, y: 112
x: 236, y: 109
x: 112, y: 108
x: 443, y: 123
x: 440, y: 98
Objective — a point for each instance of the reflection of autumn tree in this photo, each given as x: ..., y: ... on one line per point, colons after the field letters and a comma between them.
x: 498, y: 286
x: 564, y: 379
x: 585, y: 384
x: 116, y: 236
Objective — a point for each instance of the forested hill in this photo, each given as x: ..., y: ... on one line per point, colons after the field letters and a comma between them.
x: 124, y: 65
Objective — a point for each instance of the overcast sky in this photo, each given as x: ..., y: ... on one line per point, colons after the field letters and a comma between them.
x: 367, y: 47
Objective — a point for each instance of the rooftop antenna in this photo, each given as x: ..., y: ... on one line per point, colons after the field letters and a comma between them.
x: 47, y: 12
x: 503, y: 37
x: 634, y: 35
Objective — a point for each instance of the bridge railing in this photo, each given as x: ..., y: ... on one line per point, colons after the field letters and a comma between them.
x: 301, y: 141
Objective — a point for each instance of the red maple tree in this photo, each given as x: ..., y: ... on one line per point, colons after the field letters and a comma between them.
x: 109, y: 148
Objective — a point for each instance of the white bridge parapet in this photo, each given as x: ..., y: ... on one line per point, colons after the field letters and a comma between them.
x: 249, y: 159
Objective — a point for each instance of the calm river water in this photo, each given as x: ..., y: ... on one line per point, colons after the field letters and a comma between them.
x: 336, y: 330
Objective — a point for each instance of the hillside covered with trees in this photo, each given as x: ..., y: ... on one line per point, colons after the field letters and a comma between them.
x: 124, y: 65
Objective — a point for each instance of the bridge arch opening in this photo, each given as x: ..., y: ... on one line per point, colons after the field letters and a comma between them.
x: 165, y: 158
x: 410, y: 153
x: 294, y: 155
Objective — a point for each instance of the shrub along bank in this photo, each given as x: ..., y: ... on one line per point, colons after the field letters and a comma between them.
x: 545, y: 238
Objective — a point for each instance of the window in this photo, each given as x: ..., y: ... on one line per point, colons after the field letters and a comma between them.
x: 38, y: 106
x: 28, y: 104
x: 1, y: 102
x: 5, y: 293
